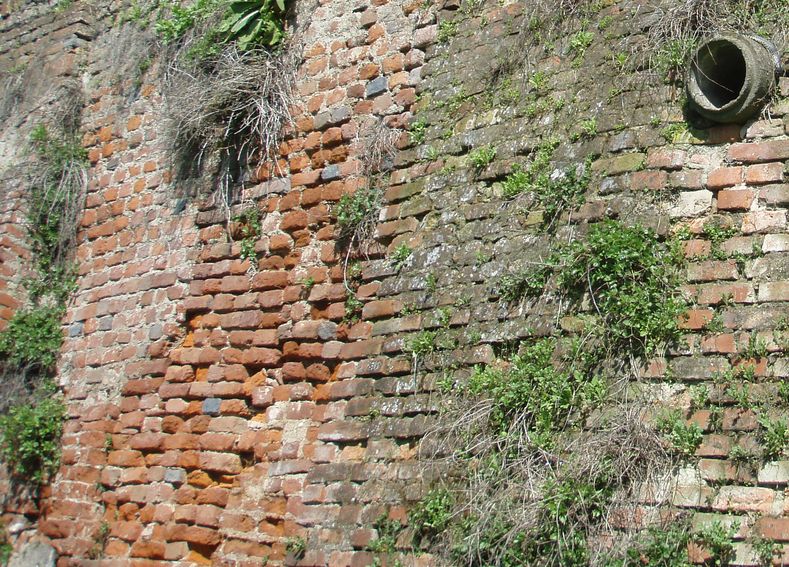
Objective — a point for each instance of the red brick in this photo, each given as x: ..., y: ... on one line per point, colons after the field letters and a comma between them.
x: 773, y: 528
x: 724, y: 177
x: 712, y: 270
x: 193, y: 534
x: 148, y: 549
x: 147, y: 441
x: 241, y: 320
x: 754, y: 152
x: 649, y: 180
x: 736, y: 199
x: 695, y: 319
x: 220, y: 462
x: 765, y: 173
x: 261, y: 357
x: 125, y: 458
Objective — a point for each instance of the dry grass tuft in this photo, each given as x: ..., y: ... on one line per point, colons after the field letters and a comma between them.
x: 508, y: 482
x: 229, y: 110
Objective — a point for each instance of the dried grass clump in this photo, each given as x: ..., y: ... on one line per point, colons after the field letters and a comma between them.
x: 506, y: 489
x: 229, y: 109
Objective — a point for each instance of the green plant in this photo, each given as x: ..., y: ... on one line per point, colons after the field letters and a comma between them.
x: 589, y: 128
x: 671, y: 58
x: 715, y: 326
x: 431, y: 282
x: 699, y: 396
x: 774, y: 437
x: 99, y: 541
x: 296, y: 546
x: 30, y: 439
x: 446, y: 30
x: 353, y: 308
x: 308, y: 283
x: 633, y: 280
x: 516, y: 182
x: 400, y: 256
x: 416, y: 131
x: 674, y: 132
x: 579, y: 43
x: 558, y: 193
x: 524, y: 283
x: 757, y: 347
x: 174, y: 20
x: 664, y: 546
x: 421, y: 344
x: 6, y: 549
x: 766, y: 550
x: 482, y: 156
x: 33, y: 337
x: 431, y: 515
x: 716, y: 539
x: 251, y: 23
x: 684, y: 437
x: 250, y: 227
x: 388, y: 532
x: 356, y: 212
x: 534, y: 391
x: 538, y: 80
x: 741, y: 456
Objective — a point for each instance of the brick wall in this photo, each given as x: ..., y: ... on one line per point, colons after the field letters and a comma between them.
x: 217, y: 408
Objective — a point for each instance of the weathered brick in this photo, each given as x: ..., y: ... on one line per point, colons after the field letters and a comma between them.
x: 724, y: 177
x: 753, y: 152
x: 736, y: 199
x: 220, y: 462
x: 764, y: 173
x: 774, y: 291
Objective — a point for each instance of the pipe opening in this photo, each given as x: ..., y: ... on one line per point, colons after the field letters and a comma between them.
x: 719, y: 70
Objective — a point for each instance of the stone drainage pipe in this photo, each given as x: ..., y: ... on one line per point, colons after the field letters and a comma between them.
x: 730, y: 77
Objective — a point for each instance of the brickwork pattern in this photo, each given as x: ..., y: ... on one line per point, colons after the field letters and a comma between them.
x: 218, y: 409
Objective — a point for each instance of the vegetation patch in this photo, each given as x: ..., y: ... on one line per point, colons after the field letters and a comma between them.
x: 31, y: 424
x: 545, y: 449
x: 30, y: 439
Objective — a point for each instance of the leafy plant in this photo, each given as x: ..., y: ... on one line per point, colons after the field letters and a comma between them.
x: 534, y: 391
x: 422, y: 343
x: 580, y: 42
x: 252, y: 23
x: 296, y: 546
x: 632, y: 278
x: 30, y: 439
x: 446, y: 30
x: 431, y: 515
x: 482, y: 156
x: 356, y: 211
x: 716, y: 538
x: 250, y: 227
x: 659, y: 547
x: 400, y: 255
x: 774, y: 436
x: 353, y: 308
x: 684, y: 437
x: 33, y: 337
x: 524, y: 283
x: 766, y: 550
x: 416, y: 131
x: 388, y: 532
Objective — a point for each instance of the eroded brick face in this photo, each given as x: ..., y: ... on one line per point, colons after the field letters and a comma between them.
x: 219, y: 406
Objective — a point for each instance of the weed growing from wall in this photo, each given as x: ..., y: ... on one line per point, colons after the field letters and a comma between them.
x: 545, y: 447
x: 30, y: 439
x: 29, y: 346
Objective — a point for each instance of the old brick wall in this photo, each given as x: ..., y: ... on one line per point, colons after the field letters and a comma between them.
x: 217, y: 409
